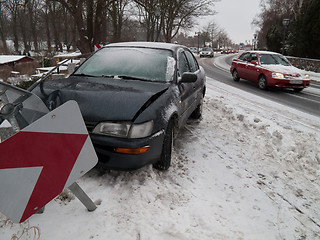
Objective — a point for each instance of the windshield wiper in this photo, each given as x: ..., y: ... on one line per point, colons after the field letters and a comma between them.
x: 83, y: 75
x: 132, y: 78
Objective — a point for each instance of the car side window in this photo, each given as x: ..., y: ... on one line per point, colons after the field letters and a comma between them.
x: 245, y: 57
x: 254, y: 57
x: 192, y: 62
x: 183, y: 63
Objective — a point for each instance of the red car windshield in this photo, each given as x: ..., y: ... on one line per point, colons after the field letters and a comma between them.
x: 273, y: 59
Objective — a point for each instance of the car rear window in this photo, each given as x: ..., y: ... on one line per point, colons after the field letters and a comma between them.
x: 139, y: 63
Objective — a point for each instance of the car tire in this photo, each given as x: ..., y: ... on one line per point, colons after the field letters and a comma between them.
x: 235, y: 76
x: 165, y: 158
x: 262, y: 82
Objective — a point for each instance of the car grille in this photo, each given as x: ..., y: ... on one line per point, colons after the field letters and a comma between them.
x: 297, y: 75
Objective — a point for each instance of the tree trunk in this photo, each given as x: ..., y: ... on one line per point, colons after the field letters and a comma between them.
x: 3, y: 38
x: 33, y: 24
x: 47, y: 25
x: 15, y: 35
x: 23, y: 33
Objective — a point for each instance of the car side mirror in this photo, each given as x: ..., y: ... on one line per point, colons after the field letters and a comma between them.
x: 188, y: 77
x: 254, y: 62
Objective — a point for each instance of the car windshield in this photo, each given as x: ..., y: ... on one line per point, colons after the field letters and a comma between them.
x: 273, y: 59
x: 130, y: 63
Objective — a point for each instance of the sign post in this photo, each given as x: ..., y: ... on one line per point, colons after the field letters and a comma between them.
x: 43, y: 158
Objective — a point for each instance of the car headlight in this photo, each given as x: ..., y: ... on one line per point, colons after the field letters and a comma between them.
x: 278, y: 75
x: 306, y: 76
x: 124, y: 129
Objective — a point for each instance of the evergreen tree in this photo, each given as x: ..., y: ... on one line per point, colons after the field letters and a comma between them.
x: 274, y: 38
x: 305, y: 37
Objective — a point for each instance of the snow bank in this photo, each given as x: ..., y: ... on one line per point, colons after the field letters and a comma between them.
x: 248, y: 170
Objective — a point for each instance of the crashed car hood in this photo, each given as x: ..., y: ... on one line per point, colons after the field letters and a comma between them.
x: 102, y: 99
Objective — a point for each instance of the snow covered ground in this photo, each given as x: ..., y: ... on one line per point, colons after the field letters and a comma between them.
x: 250, y: 169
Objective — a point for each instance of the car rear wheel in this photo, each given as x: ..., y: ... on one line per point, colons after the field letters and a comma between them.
x: 235, y: 75
x: 262, y: 82
x: 165, y: 158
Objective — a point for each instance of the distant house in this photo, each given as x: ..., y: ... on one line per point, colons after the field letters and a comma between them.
x: 13, y: 60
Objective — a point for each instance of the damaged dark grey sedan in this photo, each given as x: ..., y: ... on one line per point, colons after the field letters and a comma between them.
x: 133, y: 97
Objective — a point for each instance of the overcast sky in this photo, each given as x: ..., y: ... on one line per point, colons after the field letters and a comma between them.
x: 235, y: 17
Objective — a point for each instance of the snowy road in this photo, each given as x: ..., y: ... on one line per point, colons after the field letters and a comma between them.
x: 307, y: 101
x: 248, y: 170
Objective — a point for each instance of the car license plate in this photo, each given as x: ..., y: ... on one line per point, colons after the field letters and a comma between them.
x: 296, y: 81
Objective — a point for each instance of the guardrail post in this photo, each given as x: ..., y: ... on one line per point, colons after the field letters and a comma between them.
x: 82, y: 196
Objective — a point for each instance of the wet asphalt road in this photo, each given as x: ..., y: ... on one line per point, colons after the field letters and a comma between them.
x: 307, y: 101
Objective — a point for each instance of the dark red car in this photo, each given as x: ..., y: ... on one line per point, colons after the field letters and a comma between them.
x: 268, y: 69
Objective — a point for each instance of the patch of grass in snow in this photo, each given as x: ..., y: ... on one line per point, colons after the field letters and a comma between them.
x: 65, y: 197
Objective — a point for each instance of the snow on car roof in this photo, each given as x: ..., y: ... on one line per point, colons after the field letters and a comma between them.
x: 263, y: 52
x: 159, y: 45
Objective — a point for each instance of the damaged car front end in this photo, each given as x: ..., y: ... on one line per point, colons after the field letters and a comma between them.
x: 132, y: 96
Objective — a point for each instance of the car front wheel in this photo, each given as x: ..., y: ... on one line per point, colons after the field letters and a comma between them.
x: 165, y: 158
x: 262, y: 82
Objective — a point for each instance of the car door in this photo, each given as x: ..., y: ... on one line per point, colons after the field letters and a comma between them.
x: 251, y: 68
x: 186, y: 90
x: 241, y: 65
x: 194, y: 68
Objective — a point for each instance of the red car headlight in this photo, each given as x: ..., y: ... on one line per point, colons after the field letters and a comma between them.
x: 278, y: 75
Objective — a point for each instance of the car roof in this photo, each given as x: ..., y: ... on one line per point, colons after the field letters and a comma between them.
x: 265, y: 52
x: 157, y: 45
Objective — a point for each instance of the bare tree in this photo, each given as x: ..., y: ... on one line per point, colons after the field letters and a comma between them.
x: 13, y: 8
x: 210, y: 32
x: 174, y: 15
x: 149, y: 10
x: 34, y: 7
x: 3, y: 30
x: 181, y: 14
x: 116, y: 11
x: 223, y: 39
x: 23, y: 29
x: 95, y: 21
x: 88, y: 16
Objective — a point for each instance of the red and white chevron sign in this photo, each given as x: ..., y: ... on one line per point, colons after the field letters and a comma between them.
x: 38, y: 162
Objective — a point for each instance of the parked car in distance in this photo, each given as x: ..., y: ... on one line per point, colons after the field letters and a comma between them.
x: 134, y: 97
x: 206, y: 52
x: 268, y: 69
